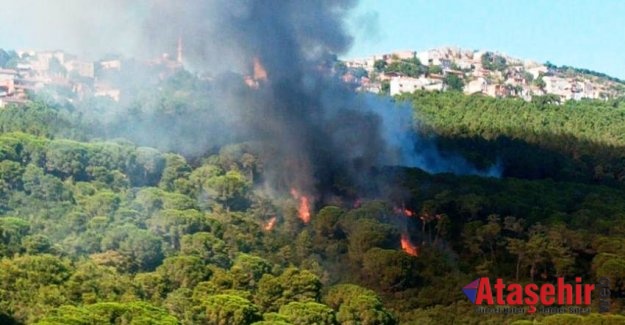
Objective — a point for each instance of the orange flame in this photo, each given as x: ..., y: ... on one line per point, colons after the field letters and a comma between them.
x: 404, y: 211
x: 259, y: 70
x: 303, y: 210
x: 270, y: 224
x: 407, y: 246
x: 258, y: 74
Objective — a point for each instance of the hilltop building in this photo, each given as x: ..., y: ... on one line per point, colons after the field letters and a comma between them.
x: 489, y: 73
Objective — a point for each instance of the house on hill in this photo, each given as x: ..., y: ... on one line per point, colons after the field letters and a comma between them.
x: 7, y: 82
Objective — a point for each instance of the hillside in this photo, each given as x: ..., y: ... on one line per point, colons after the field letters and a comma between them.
x: 217, y: 163
x: 94, y: 230
x: 486, y: 72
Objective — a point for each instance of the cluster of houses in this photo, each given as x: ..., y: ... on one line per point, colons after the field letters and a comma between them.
x: 69, y: 77
x: 518, y: 78
x: 72, y: 78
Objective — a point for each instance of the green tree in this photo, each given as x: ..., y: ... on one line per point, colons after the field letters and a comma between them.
x: 110, y: 313
x: 410, y: 68
x: 389, y: 269
x: 226, y: 310
x: 540, y: 83
x: 385, y: 87
x: 366, y: 234
x: 23, y: 278
x: 494, y: 62
x: 91, y: 283
x: 453, y: 82
x: 67, y: 158
x: 610, y: 266
x: 139, y: 245
x: 44, y: 187
x: 435, y: 69
x: 379, y: 65
x: 11, y: 174
x: 207, y: 247
x: 183, y: 271
x: 37, y: 244
x: 12, y: 232
x: 302, y: 313
x: 176, y: 169
x: 292, y: 285
x: 229, y: 189
x: 247, y: 270
x: 357, y: 305
x: 172, y: 225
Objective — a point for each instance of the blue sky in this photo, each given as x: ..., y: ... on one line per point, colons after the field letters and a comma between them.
x: 585, y: 34
x: 582, y: 33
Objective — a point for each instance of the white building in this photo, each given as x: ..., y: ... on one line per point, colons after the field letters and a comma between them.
x: 107, y: 91
x: 111, y: 64
x: 558, y: 86
x: 430, y: 57
x: 40, y: 62
x: 537, y: 70
x: 434, y: 86
x: 7, y: 81
x: 407, y: 85
x: 82, y: 68
x: 478, y: 85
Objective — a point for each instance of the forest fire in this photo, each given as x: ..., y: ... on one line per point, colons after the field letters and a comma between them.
x: 408, y: 247
x: 303, y: 209
x: 260, y: 74
x: 404, y: 211
x: 270, y: 224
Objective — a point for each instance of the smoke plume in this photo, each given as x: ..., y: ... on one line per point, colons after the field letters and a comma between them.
x: 317, y: 136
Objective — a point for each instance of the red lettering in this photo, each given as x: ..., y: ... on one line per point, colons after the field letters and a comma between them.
x: 499, y: 286
x: 578, y: 291
x: 562, y: 287
x: 530, y: 292
x: 588, y: 289
x: 484, y: 292
x: 515, y: 296
x: 546, y: 294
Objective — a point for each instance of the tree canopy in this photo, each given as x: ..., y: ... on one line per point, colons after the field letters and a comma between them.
x: 95, y: 229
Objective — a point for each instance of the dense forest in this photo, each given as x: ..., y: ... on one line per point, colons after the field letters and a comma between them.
x: 578, y: 141
x: 102, y: 226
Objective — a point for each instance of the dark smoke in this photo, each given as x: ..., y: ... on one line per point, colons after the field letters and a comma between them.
x: 316, y: 135
x: 316, y: 132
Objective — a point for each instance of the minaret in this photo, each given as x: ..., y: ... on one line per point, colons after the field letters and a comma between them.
x: 179, y: 57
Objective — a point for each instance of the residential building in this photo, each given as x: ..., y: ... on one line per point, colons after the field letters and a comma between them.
x: 111, y: 64
x: 400, y: 84
x: 7, y: 81
x: 404, y: 55
x: 107, y: 91
x: 478, y: 85
x: 81, y: 68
